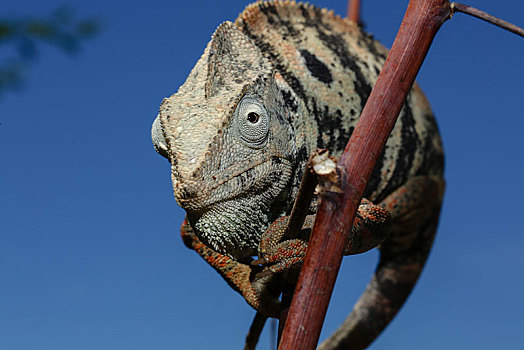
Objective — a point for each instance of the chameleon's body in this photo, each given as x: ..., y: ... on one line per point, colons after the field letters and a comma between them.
x: 282, y: 81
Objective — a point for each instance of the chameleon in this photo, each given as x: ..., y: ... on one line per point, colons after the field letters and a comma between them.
x: 282, y: 81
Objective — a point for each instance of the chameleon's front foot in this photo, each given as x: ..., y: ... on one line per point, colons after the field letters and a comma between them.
x: 371, y: 227
x: 276, y: 253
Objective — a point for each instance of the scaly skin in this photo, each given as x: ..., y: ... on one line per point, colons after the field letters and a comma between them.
x: 271, y: 88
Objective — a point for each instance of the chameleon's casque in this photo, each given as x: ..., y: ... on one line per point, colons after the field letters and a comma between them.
x: 280, y: 82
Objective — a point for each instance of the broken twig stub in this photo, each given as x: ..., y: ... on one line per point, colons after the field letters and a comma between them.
x: 325, y: 167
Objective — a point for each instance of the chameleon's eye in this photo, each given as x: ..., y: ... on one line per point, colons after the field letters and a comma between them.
x: 252, y: 122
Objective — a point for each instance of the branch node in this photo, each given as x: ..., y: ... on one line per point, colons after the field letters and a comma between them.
x: 325, y: 167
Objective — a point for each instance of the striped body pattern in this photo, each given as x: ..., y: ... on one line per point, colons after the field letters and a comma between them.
x: 331, y: 65
x: 281, y: 81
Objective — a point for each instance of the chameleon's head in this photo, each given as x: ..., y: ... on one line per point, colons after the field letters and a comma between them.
x: 228, y: 137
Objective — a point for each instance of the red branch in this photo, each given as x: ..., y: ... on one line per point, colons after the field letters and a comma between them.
x: 336, y: 211
x: 353, y: 13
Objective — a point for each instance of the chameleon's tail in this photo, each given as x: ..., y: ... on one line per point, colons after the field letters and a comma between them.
x: 402, y: 259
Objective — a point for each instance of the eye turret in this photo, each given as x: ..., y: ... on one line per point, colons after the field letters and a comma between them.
x: 252, y: 122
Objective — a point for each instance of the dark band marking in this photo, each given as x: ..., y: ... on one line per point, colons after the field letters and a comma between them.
x: 342, y: 140
x: 338, y: 46
x: 316, y: 67
x: 274, y: 19
x: 267, y: 49
x: 290, y: 102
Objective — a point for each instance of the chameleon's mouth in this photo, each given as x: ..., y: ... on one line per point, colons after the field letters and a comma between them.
x: 198, y: 194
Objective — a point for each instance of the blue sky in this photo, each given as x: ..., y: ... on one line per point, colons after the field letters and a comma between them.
x: 90, y: 253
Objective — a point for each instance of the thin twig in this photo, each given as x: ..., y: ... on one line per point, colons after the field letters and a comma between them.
x: 353, y: 13
x: 456, y: 7
x: 303, y: 199
x: 273, y: 334
x: 254, y: 331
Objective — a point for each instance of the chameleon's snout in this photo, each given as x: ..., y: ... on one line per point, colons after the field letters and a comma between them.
x: 184, y: 191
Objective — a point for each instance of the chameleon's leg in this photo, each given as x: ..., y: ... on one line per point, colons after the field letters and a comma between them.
x: 415, y: 210
x: 279, y: 255
x: 371, y: 226
x: 239, y: 276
